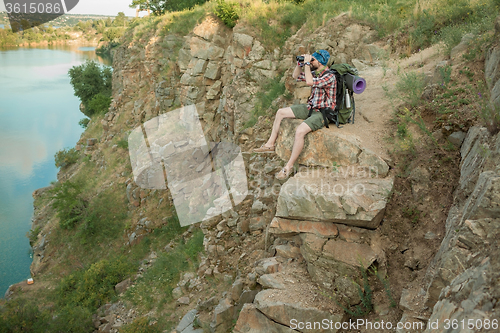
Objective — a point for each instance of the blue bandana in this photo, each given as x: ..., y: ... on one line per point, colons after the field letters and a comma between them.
x: 322, y: 56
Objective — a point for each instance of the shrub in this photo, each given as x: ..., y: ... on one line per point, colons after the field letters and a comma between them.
x: 69, y: 204
x: 19, y: 316
x: 227, y: 13
x: 66, y: 157
x: 84, y: 122
x: 94, y: 286
x: 123, y: 143
x: 88, y: 81
x: 112, y: 34
x: 33, y: 234
x: 99, y: 103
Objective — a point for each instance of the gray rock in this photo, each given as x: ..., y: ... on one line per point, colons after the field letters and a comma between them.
x: 283, y: 311
x: 236, y: 290
x: 183, y: 300
x: 252, y: 320
x: 123, y: 286
x: 457, y: 138
x: 271, y: 281
x: 223, y: 316
x: 187, y: 321
x: 177, y: 292
x: 208, y: 305
x: 213, y: 71
x: 324, y: 198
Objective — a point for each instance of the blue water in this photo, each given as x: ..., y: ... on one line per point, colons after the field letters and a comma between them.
x: 2, y: 26
x: 86, y: 48
x: 38, y: 116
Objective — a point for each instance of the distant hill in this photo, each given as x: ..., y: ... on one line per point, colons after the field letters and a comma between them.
x: 67, y: 20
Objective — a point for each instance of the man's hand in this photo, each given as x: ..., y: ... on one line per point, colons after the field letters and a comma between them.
x: 307, y: 69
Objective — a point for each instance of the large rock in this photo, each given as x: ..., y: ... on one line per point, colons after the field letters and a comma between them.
x: 223, y: 316
x: 327, y: 197
x: 284, y: 307
x: 334, y: 263
x: 205, y: 50
x: 328, y: 147
x: 252, y: 320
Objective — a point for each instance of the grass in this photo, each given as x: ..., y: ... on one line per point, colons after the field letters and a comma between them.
x: 271, y: 90
x: 154, y: 288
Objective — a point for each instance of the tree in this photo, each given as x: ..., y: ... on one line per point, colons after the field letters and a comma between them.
x: 160, y: 7
x: 120, y: 20
x: 90, y: 80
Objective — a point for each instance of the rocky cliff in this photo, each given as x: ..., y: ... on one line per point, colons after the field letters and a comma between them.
x: 300, y: 249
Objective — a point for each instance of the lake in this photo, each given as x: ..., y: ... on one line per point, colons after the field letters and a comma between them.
x: 38, y: 116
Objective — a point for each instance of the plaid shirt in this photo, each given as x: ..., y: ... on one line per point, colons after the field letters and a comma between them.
x: 323, y: 90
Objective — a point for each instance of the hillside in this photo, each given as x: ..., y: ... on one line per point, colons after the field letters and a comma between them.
x: 415, y: 244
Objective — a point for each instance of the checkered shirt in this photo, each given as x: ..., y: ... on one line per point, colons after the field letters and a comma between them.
x: 323, y: 90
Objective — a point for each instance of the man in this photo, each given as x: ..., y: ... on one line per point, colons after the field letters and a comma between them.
x: 323, y: 89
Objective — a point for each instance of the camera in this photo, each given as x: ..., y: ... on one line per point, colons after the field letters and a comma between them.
x: 300, y: 58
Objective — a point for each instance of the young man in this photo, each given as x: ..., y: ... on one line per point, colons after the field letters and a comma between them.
x: 323, y: 90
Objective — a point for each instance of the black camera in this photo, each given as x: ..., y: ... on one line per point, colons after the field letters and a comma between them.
x: 300, y: 58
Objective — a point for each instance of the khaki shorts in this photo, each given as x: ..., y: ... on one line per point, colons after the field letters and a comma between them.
x: 315, y: 121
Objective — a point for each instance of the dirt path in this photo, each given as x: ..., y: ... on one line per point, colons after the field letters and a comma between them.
x: 374, y: 109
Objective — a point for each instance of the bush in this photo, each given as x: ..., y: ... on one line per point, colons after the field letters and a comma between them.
x: 69, y: 204
x: 21, y: 316
x: 88, y: 81
x: 227, y: 13
x: 99, y: 103
x: 123, y: 143
x: 94, y: 286
x: 66, y: 157
x: 84, y: 122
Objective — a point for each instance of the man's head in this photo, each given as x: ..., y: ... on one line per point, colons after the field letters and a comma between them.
x: 322, y: 56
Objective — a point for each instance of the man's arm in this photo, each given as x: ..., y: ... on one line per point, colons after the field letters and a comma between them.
x: 296, y: 72
x: 307, y: 70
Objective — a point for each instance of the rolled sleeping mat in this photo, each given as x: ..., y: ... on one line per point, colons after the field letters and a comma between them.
x: 355, y: 83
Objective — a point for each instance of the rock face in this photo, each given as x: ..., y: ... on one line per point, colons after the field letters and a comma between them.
x: 492, y: 69
x: 464, y: 273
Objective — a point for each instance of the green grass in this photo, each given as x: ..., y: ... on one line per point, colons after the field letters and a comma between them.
x: 154, y: 288
x: 271, y: 90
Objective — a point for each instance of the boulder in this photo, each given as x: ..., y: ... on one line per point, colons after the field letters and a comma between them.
x: 285, y: 308
x: 252, y: 320
x: 323, y: 197
x: 223, y: 316
x: 327, y: 146
x: 186, y: 325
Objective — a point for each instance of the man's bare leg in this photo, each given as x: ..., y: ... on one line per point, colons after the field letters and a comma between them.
x: 282, y: 113
x: 298, y: 144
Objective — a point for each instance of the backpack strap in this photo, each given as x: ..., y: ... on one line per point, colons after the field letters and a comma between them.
x: 325, y: 119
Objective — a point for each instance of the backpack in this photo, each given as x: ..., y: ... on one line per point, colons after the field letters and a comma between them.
x: 345, y: 107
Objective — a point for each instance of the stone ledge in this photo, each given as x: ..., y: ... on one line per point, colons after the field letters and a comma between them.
x: 354, y: 202
x: 327, y: 146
